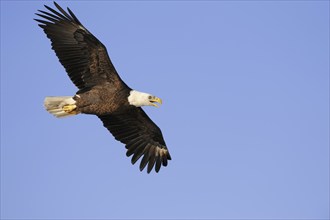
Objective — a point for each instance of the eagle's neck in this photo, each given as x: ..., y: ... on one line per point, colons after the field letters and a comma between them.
x: 138, y: 99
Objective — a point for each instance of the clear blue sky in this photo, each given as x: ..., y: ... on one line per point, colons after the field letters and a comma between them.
x: 245, y: 86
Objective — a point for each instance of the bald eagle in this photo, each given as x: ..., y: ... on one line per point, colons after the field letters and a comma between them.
x: 101, y: 91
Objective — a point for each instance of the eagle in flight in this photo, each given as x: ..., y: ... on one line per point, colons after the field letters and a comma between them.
x: 101, y: 91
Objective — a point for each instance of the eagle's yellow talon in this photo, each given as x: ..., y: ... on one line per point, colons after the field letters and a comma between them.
x: 69, y: 108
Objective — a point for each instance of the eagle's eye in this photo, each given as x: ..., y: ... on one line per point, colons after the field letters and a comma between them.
x: 149, y: 97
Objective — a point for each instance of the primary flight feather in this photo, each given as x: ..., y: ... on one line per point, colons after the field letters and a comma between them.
x: 101, y: 91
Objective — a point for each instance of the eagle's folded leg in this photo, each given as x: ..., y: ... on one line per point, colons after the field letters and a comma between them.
x: 70, y: 109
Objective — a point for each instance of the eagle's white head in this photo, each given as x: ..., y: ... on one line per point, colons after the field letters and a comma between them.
x: 139, y: 99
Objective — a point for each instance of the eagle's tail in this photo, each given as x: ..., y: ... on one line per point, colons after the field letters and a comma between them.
x: 60, y: 106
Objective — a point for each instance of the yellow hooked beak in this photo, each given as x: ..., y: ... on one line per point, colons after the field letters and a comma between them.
x: 156, y: 99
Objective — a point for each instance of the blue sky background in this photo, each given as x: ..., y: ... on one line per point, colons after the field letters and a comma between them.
x: 245, y: 86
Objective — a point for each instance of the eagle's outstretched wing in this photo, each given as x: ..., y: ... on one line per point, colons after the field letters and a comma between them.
x: 141, y: 136
x: 83, y: 56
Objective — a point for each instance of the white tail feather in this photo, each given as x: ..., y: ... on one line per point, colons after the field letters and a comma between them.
x: 54, y: 105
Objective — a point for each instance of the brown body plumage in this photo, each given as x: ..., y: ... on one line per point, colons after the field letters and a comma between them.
x: 101, y: 100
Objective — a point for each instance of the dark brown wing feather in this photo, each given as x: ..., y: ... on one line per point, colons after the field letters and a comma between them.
x: 141, y: 136
x: 83, y: 56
